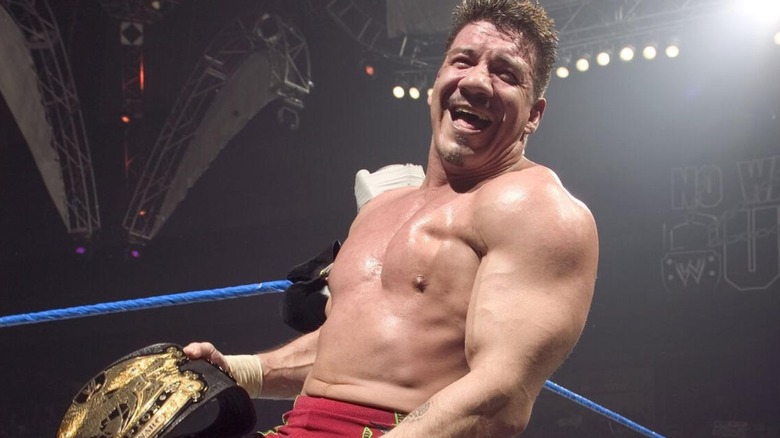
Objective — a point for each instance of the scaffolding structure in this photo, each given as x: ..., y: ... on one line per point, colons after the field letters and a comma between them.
x: 78, y: 205
x: 580, y: 23
x: 217, y: 100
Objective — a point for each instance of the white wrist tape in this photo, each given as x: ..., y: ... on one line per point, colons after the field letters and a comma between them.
x: 368, y: 185
x: 247, y: 369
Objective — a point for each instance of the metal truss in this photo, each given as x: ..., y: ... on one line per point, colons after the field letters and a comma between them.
x: 290, y: 55
x: 364, y: 21
x: 133, y: 15
x: 580, y: 23
x: 63, y: 112
x: 132, y: 106
x: 138, y: 11
x: 584, y: 23
x: 290, y: 81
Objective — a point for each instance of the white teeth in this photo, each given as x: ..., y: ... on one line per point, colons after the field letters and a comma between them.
x: 468, y: 111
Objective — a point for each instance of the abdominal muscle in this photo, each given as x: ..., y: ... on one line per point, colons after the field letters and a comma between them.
x: 396, y: 328
x: 384, y: 360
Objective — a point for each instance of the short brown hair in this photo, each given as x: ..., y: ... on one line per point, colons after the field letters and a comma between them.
x: 522, y: 17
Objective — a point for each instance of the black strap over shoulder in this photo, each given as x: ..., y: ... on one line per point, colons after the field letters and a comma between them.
x: 157, y: 392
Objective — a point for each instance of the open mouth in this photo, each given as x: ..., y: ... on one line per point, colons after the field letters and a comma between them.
x: 471, y: 119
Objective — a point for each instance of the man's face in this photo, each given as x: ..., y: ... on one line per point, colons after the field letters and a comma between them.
x: 481, y: 106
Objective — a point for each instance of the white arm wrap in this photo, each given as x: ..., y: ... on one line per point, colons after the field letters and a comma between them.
x: 247, y: 369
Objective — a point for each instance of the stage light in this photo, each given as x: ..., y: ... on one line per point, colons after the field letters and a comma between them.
x: 562, y: 72
x: 582, y: 64
x: 414, y: 93
x: 627, y: 53
x: 267, y: 28
x: 672, y: 51
x: 288, y: 117
x: 82, y: 248
x: 603, y: 58
x: 134, y: 251
x: 125, y: 119
x: 398, y: 92
x: 649, y: 52
x: 141, y: 75
x: 766, y: 11
x: 777, y: 38
x: 369, y: 68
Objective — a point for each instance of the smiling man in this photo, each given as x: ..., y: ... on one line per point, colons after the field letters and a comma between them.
x: 451, y: 303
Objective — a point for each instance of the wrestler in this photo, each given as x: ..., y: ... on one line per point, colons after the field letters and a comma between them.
x: 453, y: 301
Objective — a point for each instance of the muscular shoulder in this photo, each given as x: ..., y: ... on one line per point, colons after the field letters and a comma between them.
x: 531, y: 207
x: 383, y: 201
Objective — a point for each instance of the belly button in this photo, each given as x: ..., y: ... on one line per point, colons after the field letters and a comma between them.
x: 420, y: 283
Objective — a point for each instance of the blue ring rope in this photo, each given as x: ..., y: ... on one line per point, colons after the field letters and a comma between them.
x: 595, y: 407
x: 146, y: 303
x: 246, y: 291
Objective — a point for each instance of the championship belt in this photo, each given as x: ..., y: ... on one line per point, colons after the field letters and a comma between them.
x: 157, y: 392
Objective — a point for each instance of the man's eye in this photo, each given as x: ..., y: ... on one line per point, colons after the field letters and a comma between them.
x: 461, y: 62
x: 508, y: 77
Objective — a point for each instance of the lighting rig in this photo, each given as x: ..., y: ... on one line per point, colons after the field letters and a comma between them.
x: 591, y: 33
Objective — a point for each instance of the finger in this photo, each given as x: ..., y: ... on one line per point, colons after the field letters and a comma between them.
x: 200, y: 350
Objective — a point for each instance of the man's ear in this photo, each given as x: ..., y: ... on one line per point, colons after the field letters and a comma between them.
x: 535, y: 116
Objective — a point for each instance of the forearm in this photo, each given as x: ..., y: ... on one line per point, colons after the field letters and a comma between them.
x: 285, y: 369
x: 476, y: 405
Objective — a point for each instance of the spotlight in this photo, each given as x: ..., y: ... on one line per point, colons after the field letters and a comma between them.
x: 582, y: 64
x: 414, y: 92
x: 368, y: 67
x: 134, y: 251
x: 562, y: 72
x: 267, y: 28
x: 288, y: 117
x: 603, y: 58
x: 777, y: 38
x: 672, y: 51
x: 82, y: 249
x: 649, y: 52
x: 398, y: 92
x: 627, y: 53
x: 125, y: 119
x: 766, y: 11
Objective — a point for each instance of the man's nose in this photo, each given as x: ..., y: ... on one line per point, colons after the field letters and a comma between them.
x: 476, y: 83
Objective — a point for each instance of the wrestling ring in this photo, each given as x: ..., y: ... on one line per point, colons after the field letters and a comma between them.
x: 253, y: 290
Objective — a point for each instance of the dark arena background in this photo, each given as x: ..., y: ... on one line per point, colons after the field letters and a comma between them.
x: 678, y: 157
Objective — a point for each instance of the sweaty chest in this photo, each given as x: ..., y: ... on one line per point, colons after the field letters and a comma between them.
x: 402, y: 250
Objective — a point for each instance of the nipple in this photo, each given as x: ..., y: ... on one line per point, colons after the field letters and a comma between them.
x: 420, y: 283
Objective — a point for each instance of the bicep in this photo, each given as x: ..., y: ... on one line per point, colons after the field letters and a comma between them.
x: 530, y: 299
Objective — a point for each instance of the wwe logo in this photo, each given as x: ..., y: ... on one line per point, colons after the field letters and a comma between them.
x: 692, y: 269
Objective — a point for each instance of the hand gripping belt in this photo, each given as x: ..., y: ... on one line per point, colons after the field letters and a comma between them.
x: 157, y: 392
